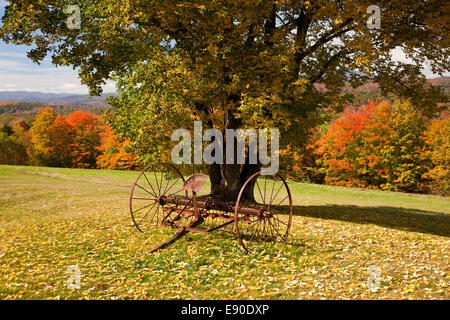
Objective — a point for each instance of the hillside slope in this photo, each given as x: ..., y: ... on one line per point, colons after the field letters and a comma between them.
x: 64, y: 99
x: 53, y: 218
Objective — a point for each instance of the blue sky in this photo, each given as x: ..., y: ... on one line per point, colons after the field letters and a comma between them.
x: 18, y: 73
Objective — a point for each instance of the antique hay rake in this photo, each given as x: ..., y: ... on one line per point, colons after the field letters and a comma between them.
x: 160, y: 198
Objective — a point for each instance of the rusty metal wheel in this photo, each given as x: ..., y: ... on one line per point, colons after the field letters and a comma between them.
x: 154, y: 182
x: 273, y: 201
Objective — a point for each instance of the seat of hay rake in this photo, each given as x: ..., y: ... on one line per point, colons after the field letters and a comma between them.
x: 162, y: 198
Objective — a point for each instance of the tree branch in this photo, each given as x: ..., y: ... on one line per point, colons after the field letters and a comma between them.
x: 328, y: 36
x: 325, y: 67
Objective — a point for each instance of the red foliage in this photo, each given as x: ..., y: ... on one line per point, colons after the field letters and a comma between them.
x: 87, y: 128
x: 61, y: 142
x: 83, y: 119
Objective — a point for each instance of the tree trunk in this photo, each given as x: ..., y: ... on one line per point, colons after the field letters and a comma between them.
x: 228, y: 179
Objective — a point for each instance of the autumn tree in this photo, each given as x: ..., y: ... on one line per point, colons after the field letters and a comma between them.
x: 13, y: 150
x: 40, y: 136
x: 86, y: 140
x: 234, y: 64
x: 378, y: 146
x: 113, y: 151
x: 71, y: 142
x: 438, y: 138
x: 6, y: 129
x: 61, y: 144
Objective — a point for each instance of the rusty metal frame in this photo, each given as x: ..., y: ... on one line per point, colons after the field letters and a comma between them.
x: 200, y: 208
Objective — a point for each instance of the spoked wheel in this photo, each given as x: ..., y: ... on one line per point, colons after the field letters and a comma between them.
x: 272, y: 217
x: 148, y: 212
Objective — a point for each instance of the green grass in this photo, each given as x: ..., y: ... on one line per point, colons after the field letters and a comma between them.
x: 52, y: 218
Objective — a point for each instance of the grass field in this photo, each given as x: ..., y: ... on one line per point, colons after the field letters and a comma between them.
x: 51, y: 219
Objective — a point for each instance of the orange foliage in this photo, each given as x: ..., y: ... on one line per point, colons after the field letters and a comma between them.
x: 79, y: 141
x: 83, y: 119
x: 113, y: 152
x: 61, y: 142
x: 71, y: 142
x: 87, y: 128
x: 377, y: 146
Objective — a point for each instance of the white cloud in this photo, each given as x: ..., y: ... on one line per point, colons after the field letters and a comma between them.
x: 12, y: 54
x: 18, y: 73
x: 58, y: 81
x: 8, y: 87
x: 399, y: 55
x: 11, y: 66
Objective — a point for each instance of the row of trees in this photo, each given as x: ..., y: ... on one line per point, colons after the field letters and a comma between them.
x: 385, y: 146
x: 381, y: 145
x: 82, y: 140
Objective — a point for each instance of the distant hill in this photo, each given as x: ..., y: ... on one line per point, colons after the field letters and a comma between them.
x: 61, y: 99
x: 15, y: 110
x: 369, y: 91
x: 371, y: 87
x: 441, y: 82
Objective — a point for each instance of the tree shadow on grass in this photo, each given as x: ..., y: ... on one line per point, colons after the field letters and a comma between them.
x: 390, y: 217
